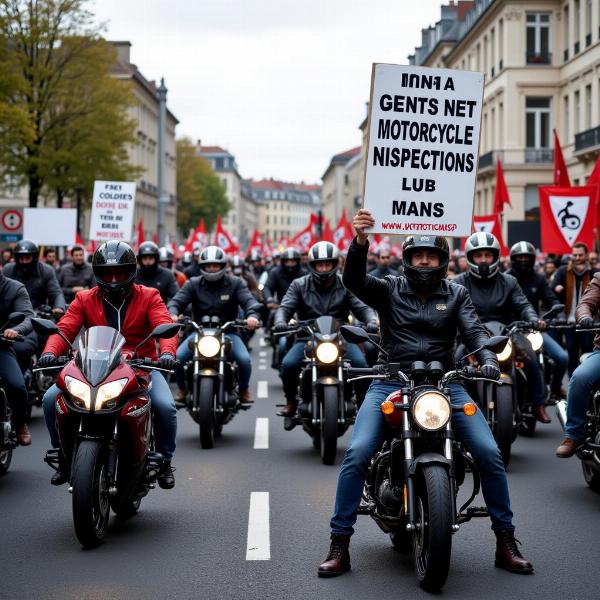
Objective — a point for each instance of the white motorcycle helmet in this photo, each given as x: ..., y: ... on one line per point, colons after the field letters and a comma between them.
x: 323, y: 252
x: 483, y: 240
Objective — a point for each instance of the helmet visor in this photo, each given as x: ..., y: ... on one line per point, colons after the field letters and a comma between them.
x: 114, y: 274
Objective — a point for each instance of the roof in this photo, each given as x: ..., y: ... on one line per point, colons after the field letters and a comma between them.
x: 275, y: 184
x: 213, y: 150
x: 341, y: 159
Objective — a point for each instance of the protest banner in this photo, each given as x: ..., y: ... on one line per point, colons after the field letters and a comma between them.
x: 50, y: 226
x: 423, y: 142
x: 112, y: 211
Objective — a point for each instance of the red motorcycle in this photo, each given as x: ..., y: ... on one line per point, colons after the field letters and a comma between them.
x: 105, y: 426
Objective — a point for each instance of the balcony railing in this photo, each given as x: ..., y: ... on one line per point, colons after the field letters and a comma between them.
x: 538, y: 58
x: 588, y: 40
x: 539, y: 155
x: 566, y: 54
x: 587, y: 139
x: 576, y: 48
x: 486, y: 160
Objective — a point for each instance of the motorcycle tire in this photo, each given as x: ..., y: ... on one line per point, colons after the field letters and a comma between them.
x: 329, y: 425
x: 503, y: 422
x: 206, y: 412
x: 592, y: 478
x: 432, y: 541
x: 125, y: 509
x: 5, y: 460
x: 91, y: 506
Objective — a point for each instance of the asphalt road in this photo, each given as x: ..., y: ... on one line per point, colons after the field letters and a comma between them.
x: 192, y: 541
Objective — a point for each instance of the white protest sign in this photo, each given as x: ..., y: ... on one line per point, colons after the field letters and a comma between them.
x: 50, y: 226
x: 422, y: 149
x: 112, y: 211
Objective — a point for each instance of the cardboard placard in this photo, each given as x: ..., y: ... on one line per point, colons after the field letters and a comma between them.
x: 50, y: 226
x: 112, y: 211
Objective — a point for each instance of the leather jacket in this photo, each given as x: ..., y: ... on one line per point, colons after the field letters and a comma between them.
x: 309, y: 301
x: 71, y: 276
x: 221, y: 299
x: 14, y: 298
x: 40, y: 282
x: 589, y: 305
x: 499, y: 298
x: 536, y: 289
x: 415, y: 327
x: 160, y: 279
x: 279, y: 281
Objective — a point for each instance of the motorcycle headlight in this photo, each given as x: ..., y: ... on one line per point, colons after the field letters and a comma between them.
x: 108, y: 392
x: 80, y: 391
x: 327, y: 352
x: 506, y: 353
x: 536, y: 340
x: 431, y: 411
x: 209, y: 346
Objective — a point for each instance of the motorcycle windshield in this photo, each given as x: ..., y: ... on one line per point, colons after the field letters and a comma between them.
x: 99, y: 352
x: 326, y: 327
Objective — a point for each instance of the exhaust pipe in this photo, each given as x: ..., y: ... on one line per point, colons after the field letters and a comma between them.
x: 561, y: 413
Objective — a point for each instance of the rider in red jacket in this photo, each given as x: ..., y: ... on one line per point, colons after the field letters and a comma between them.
x: 135, y: 311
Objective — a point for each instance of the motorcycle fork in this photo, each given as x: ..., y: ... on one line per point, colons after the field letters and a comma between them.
x: 111, y: 462
x: 220, y: 395
x: 449, y: 456
x: 316, y: 419
x: 341, y: 396
x: 408, y: 458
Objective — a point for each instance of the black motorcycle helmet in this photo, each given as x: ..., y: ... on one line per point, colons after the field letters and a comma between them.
x: 166, y: 257
x: 114, y: 265
x: 429, y: 278
x: 291, y: 254
x: 26, y: 248
x: 323, y: 252
x: 522, y: 257
x: 148, y: 249
x: 238, y: 265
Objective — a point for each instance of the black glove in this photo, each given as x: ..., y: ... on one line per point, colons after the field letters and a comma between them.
x: 534, y: 324
x: 372, y: 327
x: 586, y: 322
x: 490, y: 372
x: 280, y: 327
x: 46, y: 360
x: 167, y: 361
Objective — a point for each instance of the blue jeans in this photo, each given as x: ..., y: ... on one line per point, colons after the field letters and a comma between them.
x: 582, y: 383
x: 163, y: 409
x: 560, y: 358
x: 239, y: 354
x: 16, y: 392
x: 292, y: 365
x: 366, y: 439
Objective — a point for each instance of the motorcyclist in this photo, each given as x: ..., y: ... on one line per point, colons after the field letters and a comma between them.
x: 134, y: 310
x: 193, y: 269
x: 51, y: 259
x: 43, y: 288
x: 498, y: 297
x: 382, y: 258
x: 319, y: 293
x: 76, y: 275
x: 14, y: 298
x: 257, y: 265
x: 216, y: 294
x: 586, y: 376
x: 538, y: 291
x: 421, y: 313
x: 185, y: 261
x: 151, y: 274
x: 166, y: 259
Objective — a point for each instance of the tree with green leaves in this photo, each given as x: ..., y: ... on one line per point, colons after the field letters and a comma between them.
x: 64, y: 117
x: 200, y: 193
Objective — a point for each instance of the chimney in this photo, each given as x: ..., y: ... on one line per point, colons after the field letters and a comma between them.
x: 123, y: 51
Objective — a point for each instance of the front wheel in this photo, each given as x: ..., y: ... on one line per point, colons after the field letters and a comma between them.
x: 5, y: 460
x: 90, y: 493
x: 432, y: 540
x: 206, y: 412
x: 503, y: 421
x: 329, y: 425
x: 592, y: 477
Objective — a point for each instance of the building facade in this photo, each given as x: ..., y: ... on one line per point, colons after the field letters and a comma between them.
x: 342, y: 184
x: 541, y: 61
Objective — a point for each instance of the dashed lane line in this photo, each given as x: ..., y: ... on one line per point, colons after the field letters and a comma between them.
x: 258, y: 545
x: 261, y: 434
x: 262, y: 390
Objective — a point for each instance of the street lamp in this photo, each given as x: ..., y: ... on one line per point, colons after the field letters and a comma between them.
x: 161, y: 92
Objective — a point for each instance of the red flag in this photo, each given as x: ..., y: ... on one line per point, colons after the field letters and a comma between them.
x: 255, y: 243
x: 267, y: 248
x: 198, y: 238
x: 140, y: 233
x: 326, y: 234
x: 155, y: 238
x: 561, y: 176
x: 343, y: 234
x: 79, y: 240
x: 491, y: 224
x: 305, y: 238
x: 501, y: 196
x: 567, y: 216
x: 223, y: 239
x: 594, y: 178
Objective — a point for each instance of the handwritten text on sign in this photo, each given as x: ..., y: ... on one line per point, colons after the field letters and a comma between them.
x: 112, y: 210
x: 423, y: 149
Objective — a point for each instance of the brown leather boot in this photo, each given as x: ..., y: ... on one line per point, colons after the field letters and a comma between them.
x: 567, y: 448
x: 541, y: 415
x: 508, y: 555
x: 23, y: 435
x: 337, y: 561
x: 180, y: 398
x: 246, y: 397
x: 289, y: 410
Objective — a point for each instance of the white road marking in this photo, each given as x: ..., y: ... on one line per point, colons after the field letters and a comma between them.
x: 262, y: 354
x: 259, y: 543
x: 261, y: 434
x: 262, y: 367
x: 262, y: 391
x: 262, y: 343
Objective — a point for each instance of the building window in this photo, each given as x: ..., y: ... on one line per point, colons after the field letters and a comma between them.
x: 268, y: 220
x: 492, y: 51
x: 501, y: 125
x: 577, y: 17
x: 577, y: 100
x: 588, y: 106
x: 588, y: 23
x: 218, y: 163
x: 500, y: 44
x: 532, y: 203
x: 224, y: 180
x: 538, y: 39
x: 566, y: 117
x: 566, y: 33
x: 537, y: 122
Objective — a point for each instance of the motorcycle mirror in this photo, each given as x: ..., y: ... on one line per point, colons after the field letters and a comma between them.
x: 496, y: 344
x: 165, y: 330
x: 554, y: 311
x: 15, y: 318
x: 353, y: 334
x: 44, y: 326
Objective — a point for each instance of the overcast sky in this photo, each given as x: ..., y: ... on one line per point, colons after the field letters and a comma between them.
x: 282, y: 84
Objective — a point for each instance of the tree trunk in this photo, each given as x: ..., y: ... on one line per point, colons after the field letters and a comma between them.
x: 35, y: 186
x: 60, y: 195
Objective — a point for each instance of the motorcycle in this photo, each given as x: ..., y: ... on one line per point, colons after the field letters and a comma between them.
x: 589, y: 452
x: 212, y: 377
x: 105, y: 426
x: 413, y: 480
x: 327, y: 402
x: 8, y: 435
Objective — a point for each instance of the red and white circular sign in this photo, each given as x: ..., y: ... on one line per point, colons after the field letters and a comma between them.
x: 12, y: 220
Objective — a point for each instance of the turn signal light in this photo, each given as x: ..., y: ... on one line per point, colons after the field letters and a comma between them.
x: 469, y: 409
x: 387, y: 407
